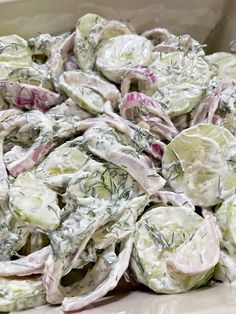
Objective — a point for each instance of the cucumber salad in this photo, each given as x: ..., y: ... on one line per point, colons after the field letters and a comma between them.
x: 118, y: 160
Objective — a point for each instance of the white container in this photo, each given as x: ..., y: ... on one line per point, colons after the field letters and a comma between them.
x: 203, y: 19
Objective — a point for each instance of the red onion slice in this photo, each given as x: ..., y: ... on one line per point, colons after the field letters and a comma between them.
x: 138, y: 107
x: 29, y: 96
x: 146, y: 78
x: 25, y: 266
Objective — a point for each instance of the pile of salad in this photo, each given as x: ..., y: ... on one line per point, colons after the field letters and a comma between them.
x: 118, y: 159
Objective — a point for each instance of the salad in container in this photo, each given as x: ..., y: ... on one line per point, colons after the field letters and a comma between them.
x: 118, y: 159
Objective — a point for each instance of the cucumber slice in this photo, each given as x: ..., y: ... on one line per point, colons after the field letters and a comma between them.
x: 83, y: 50
x: 223, y: 64
x: 86, y: 97
x: 199, y: 162
x: 32, y: 202
x: 14, y: 53
x: 21, y: 294
x: 160, y: 234
x: 65, y: 159
x: 226, y: 218
x: 117, y: 55
x: 182, y: 80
